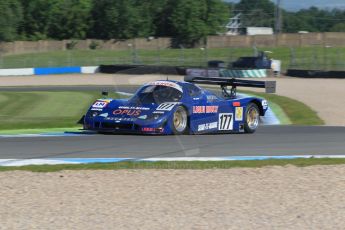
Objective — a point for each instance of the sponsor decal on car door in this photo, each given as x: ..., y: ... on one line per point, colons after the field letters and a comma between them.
x: 207, y: 126
x: 239, y: 114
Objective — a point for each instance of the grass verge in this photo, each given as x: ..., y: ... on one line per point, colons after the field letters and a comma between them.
x: 178, y: 165
x: 43, y: 110
x: 39, y: 131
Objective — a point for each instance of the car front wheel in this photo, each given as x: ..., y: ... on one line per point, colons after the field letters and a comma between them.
x: 180, y: 121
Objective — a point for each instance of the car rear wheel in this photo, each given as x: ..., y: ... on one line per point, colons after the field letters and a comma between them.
x: 252, y: 117
x: 180, y: 121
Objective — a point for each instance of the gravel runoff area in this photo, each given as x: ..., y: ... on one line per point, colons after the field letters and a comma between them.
x: 325, y: 96
x: 265, y: 198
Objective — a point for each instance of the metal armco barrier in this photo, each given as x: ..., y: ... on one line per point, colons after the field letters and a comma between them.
x: 315, y: 73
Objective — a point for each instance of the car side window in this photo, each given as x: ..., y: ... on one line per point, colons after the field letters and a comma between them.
x: 193, y: 91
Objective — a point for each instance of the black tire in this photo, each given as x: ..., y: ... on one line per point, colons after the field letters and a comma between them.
x: 251, y: 118
x: 179, y: 121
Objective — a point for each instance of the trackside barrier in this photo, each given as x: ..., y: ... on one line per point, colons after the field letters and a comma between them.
x: 90, y: 69
x: 143, y: 69
x: 57, y: 70
x: 243, y: 73
x: 49, y: 70
x: 315, y: 73
x: 17, y: 72
x: 255, y: 73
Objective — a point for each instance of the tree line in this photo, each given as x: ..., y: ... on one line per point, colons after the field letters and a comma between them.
x: 187, y: 21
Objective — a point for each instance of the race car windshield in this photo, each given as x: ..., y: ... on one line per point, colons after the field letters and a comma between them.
x: 156, y: 94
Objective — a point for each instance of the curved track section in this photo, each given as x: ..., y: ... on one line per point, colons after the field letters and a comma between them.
x: 267, y: 141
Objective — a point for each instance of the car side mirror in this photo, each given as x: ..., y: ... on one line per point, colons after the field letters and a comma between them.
x: 105, y: 93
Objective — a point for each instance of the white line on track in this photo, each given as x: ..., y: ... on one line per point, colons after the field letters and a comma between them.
x: 57, y: 161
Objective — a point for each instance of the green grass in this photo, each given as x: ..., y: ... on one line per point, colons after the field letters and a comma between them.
x: 306, y: 57
x: 40, y: 131
x: 297, y: 112
x: 197, y: 165
x: 41, y: 110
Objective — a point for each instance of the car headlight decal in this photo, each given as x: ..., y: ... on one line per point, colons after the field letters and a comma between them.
x: 94, y: 114
x: 143, y: 117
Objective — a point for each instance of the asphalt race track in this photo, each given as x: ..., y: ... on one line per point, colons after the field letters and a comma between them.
x: 268, y: 140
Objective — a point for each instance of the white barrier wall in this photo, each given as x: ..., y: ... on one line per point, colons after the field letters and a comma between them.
x: 89, y: 69
x: 17, y: 72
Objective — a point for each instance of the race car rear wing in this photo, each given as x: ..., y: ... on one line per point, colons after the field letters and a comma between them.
x: 269, y: 86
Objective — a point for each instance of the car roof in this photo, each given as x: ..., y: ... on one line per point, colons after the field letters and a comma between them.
x: 183, y: 84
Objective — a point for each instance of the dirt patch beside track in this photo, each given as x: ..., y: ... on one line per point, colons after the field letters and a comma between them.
x: 266, y: 198
x: 325, y: 96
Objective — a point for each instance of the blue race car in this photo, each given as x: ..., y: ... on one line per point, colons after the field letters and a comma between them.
x: 173, y: 107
